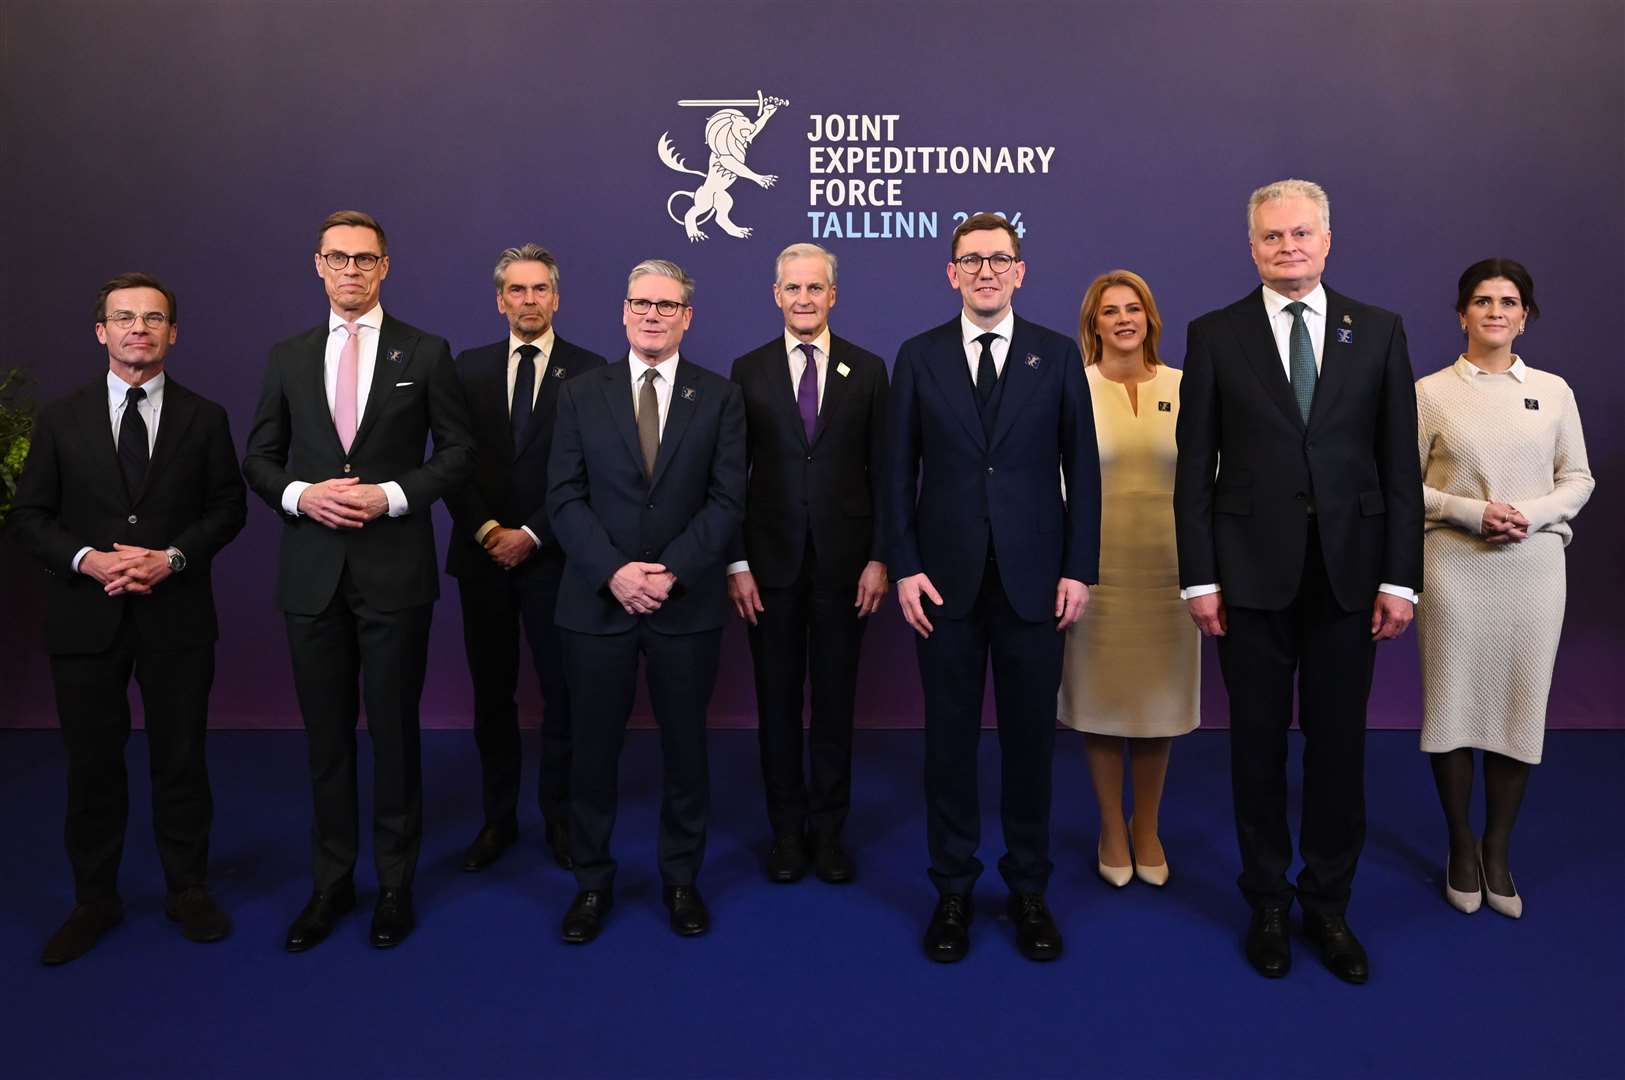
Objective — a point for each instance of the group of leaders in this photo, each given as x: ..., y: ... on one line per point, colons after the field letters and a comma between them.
x: 1063, y: 507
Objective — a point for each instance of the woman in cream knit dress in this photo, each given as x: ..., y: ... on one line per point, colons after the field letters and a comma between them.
x: 1503, y: 472
x: 1133, y: 661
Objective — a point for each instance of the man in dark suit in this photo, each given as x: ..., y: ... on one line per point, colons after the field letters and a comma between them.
x: 337, y: 449
x: 503, y: 553
x: 646, y: 489
x: 808, y: 569
x: 1297, y: 495
x: 989, y: 415
x: 127, y: 527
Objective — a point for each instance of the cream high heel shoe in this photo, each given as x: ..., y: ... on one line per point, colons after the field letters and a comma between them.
x: 1115, y: 876
x: 1152, y: 875
x: 1510, y: 906
x: 1464, y: 902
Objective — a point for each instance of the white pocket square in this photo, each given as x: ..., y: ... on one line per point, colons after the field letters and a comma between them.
x: 407, y: 383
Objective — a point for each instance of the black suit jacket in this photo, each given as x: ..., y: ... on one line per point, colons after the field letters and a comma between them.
x: 1248, y: 464
x: 509, y: 485
x: 72, y: 495
x: 606, y: 514
x: 949, y: 487
x: 415, y: 392
x: 829, y: 485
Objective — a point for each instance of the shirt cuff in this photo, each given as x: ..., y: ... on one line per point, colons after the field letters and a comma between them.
x: 485, y: 530
x: 290, y: 496
x: 740, y: 567
x: 1400, y: 591
x: 526, y: 530
x: 396, y: 497
x: 79, y: 557
x: 1197, y: 590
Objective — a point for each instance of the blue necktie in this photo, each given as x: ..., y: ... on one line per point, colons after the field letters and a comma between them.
x: 807, y: 392
x: 524, y: 390
x: 1301, y: 359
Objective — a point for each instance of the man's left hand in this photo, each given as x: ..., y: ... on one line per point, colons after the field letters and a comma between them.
x: 369, y: 499
x: 1390, y: 615
x: 508, y: 547
x: 1071, y: 597
x: 141, y: 570
x: 871, y: 589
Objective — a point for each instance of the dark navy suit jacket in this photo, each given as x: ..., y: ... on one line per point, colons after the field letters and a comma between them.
x: 949, y: 487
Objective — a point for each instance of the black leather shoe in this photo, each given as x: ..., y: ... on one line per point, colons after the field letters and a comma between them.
x: 488, y: 846
x: 392, y: 918
x: 558, y: 842
x: 787, y: 860
x: 688, y: 914
x: 586, y: 915
x: 947, y: 939
x: 832, y: 863
x: 1268, y: 949
x: 85, y: 925
x: 1340, y: 950
x: 200, y: 918
x: 322, y: 910
x: 1036, y: 933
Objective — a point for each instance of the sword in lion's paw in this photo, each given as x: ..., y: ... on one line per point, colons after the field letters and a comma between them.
x: 761, y: 101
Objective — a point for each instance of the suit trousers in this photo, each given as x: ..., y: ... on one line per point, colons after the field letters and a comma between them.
x: 93, y: 709
x: 602, y: 669
x: 494, y: 609
x: 349, y: 654
x: 804, y: 629
x: 1026, y: 678
x: 1330, y: 653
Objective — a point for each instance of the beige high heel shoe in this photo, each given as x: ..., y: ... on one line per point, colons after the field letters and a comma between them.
x: 1115, y: 876
x: 1464, y: 902
x: 1510, y: 906
x: 1152, y: 875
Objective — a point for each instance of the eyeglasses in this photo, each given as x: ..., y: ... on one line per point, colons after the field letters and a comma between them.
x: 155, y: 320
x: 667, y: 308
x: 972, y: 264
x: 338, y: 260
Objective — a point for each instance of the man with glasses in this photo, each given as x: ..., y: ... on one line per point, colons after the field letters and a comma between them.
x: 128, y: 537
x: 337, y: 449
x: 990, y: 414
x: 503, y: 553
x: 646, y: 489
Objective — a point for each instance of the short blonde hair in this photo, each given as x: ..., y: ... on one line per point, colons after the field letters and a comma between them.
x: 1089, y: 336
x: 1287, y: 189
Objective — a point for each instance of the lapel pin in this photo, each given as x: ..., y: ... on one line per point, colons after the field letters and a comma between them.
x: 1165, y: 406
x: 1032, y: 361
x: 688, y: 393
x: 1531, y: 403
x: 1346, y: 337
x: 558, y: 373
x: 842, y: 370
x: 395, y: 356
x: 1348, y: 320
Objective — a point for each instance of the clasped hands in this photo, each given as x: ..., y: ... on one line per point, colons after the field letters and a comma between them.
x: 508, y: 547
x: 1071, y: 597
x: 1503, y: 524
x: 641, y: 587
x: 126, y: 569
x: 343, y: 502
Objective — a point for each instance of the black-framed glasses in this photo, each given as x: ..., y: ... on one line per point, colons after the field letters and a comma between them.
x: 972, y: 264
x: 667, y: 308
x: 338, y: 260
x: 155, y: 320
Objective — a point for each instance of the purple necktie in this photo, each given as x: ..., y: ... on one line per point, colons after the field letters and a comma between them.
x: 807, y: 392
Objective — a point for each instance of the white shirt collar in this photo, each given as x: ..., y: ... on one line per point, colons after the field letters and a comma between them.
x: 117, y: 388
x: 1470, y: 371
x: 792, y: 344
x: 373, y: 318
x: 666, y: 367
x: 544, y: 343
x: 969, y: 331
x: 1315, y: 301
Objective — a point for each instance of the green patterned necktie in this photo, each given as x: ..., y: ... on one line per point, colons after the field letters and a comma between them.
x: 1301, y: 359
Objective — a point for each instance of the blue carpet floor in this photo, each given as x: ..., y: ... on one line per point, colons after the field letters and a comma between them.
x: 812, y: 980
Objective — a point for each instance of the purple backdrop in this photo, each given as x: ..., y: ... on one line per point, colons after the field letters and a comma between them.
x: 203, y: 141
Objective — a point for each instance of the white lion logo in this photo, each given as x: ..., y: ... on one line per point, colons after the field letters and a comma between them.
x: 728, y: 135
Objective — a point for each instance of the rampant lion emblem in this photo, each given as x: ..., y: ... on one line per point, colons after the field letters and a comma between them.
x: 728, y: 135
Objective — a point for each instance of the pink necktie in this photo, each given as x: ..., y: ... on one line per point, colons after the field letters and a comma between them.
x: 344, y: 407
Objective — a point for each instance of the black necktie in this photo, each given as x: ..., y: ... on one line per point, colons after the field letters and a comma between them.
x: 132, y: 441
x: 524, y: 389
x: 986, y: 374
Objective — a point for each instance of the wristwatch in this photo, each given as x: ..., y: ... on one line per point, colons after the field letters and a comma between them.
x: 177, y: 561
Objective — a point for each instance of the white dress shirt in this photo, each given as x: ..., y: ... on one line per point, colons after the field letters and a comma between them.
x: 1314, y: 317
x: 545, y: 344
x: 151, y: 408
x: 366, y: 360
x: 969, y: 331
x: 1470, y: 371
x: 664, y: 382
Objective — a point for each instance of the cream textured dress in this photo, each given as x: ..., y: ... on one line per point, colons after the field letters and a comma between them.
x: 1133, y: 662
x: 1491, y: 614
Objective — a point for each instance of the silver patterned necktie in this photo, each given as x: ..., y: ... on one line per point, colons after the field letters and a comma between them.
x: 1301, y: 359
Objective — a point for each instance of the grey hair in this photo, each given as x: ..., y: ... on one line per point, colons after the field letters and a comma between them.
x: 803, y: 251
x: 1287, y: 189
x: 666, y: 269
x: 525, y: 253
